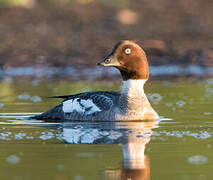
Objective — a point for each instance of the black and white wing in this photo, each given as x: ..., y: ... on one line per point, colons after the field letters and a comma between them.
x: 82, y: 105
x: 89, y: 102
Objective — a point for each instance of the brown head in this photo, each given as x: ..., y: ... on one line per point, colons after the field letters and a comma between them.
x: 129, y: 58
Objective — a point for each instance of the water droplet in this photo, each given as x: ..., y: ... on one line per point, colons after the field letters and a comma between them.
x: 180, y: 103
x: 24, y: 96
x: 1, y: 105
x: 198, y: 159
x: 86, y: 89
x: 155, y: 98
x: 169, y: 104
x: 46, y: 135
x: 207, y: 113
x: 78, y: 178
x: 19, y: 136
x: 61, y: 167
x: 36, y: 99
x: 13, y: 159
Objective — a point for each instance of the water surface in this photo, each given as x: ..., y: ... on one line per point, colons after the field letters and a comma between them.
x: 179, y: 146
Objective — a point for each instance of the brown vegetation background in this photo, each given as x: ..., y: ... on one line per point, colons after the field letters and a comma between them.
x: 80, y: 32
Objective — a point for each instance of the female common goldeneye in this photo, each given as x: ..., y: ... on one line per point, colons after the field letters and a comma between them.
x: 131, y: 104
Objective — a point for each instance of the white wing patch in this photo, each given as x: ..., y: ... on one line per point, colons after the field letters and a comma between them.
x: 81, y: 106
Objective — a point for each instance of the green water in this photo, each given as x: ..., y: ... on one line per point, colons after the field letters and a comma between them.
x: 180, y: 146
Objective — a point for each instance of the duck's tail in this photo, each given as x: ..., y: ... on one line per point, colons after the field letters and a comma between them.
x: 53, y: 114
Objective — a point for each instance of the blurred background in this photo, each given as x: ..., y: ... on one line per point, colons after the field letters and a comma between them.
x: 176, y: 35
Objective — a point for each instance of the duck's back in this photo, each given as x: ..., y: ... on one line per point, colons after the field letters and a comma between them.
x: 89, y: 106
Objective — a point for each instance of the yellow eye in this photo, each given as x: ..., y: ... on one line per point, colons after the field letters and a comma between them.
x: 127, y: 51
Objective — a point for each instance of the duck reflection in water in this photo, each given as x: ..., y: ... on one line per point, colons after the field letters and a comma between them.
x: 133, y: 136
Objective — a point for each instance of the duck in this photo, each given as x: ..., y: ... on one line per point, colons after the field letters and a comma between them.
x: 128, y: 105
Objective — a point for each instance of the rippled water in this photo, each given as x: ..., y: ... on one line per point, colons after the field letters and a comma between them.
x: 179, y: 146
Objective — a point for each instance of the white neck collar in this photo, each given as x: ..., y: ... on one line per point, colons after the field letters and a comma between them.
x: 133, y: 87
